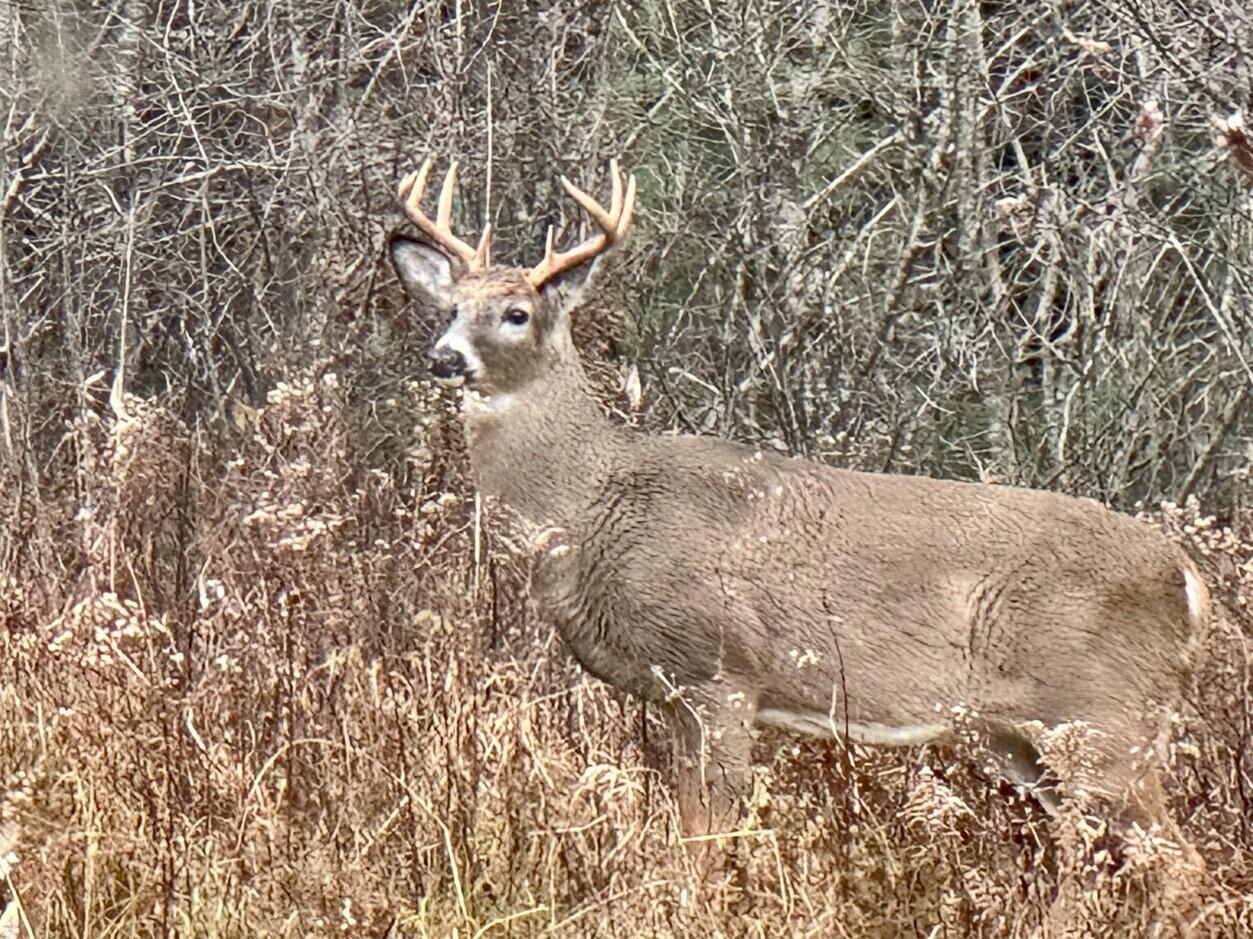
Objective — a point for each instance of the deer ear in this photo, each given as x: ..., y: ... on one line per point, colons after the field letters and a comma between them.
x: 427, y: 273
x: 568, y: 290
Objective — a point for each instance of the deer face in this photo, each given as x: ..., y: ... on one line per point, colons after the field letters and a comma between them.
x: 502, y: 333
x: 508, y: 325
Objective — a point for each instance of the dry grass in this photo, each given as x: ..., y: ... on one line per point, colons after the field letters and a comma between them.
x: 252, y: 687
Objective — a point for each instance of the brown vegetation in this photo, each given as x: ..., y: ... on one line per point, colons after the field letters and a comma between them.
x: 264, y: 668
x: 353, y: 723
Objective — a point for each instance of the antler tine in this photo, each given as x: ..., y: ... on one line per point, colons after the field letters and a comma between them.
x: 444, y: 217
x: 412, y: 186
x: 483, y: 254
x: 616, y: 176
x: 410, y: 193
x: 613, y: 226
x: 628, y: 208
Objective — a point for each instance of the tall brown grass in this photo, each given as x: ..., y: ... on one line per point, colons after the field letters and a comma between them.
x: 260, y: 681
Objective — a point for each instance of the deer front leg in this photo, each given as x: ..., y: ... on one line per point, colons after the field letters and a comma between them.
x: 713, y: 759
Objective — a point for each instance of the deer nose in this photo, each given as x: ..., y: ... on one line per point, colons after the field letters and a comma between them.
x: 447, y: 363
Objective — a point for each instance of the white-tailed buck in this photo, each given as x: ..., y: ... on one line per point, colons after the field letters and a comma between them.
x: 746, y: 588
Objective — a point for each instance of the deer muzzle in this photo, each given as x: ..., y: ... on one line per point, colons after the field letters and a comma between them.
x: 448, y: 365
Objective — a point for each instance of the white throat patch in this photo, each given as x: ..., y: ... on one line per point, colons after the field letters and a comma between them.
x: 477, y: 404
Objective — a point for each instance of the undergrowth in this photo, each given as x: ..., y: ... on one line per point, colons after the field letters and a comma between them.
x: 255, y: 686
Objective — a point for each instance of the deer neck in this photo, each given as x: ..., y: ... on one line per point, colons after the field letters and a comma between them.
x: 544, y: 450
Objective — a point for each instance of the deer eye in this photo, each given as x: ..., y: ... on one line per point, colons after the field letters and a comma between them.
x: 517, y: 317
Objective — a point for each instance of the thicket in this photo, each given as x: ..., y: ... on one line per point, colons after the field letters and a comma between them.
x: 266, y: 671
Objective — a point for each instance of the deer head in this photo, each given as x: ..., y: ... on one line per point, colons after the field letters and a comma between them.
x: 510, y: 325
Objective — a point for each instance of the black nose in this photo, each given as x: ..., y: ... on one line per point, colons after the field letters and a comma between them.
x: 447, y: 363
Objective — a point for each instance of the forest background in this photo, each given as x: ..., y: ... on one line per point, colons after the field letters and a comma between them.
x: 266, y: 669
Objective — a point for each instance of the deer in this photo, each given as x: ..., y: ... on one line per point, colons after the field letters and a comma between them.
x: 742, y: 589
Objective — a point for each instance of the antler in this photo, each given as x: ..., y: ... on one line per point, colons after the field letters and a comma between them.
x: 613, y: 225
x: 410, y: 194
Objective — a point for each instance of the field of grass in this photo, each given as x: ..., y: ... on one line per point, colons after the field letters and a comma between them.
x: 291, y: 695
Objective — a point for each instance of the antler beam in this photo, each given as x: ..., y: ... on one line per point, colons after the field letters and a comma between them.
x: 613, y: 226
x: 410, y: 194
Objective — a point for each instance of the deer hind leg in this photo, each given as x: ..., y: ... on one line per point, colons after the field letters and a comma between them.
x: 1126, y: 770
x: 1173, y: 873
x: 1123, y: 769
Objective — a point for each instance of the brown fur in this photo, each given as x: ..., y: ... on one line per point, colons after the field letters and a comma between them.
x: 727, y: 582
